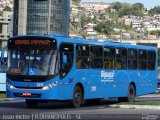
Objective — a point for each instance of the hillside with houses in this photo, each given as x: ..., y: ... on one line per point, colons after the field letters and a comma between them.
x: 109, y: 20
x: 116, y: 21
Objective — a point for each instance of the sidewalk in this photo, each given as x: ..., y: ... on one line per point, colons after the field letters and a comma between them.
x: 151, y: 95
x: 147, y: 107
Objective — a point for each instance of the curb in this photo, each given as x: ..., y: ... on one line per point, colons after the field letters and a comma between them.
x: 156, y: 95
x: 148, y: 107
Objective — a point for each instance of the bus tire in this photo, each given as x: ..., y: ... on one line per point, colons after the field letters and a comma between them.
x: 77, y: 97
x: 31, y: 103
x: 131, y: 95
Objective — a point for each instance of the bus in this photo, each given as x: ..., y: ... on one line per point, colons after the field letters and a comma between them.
x: 3, y: 68
x: 57, y: 68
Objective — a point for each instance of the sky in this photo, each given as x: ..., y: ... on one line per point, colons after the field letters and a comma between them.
x: 146, y: 3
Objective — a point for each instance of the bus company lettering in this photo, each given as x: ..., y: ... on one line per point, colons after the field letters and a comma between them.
x: 108, y: 75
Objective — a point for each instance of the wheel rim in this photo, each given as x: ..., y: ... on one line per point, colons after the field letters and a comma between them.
x: 77, y: 97
x: 131, y: 94
x: 77, y: 100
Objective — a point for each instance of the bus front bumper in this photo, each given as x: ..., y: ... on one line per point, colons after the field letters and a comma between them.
x: 36, y: 94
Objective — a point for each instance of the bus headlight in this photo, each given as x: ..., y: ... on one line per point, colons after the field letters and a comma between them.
x: 49, y: 86
x: 10, y: 86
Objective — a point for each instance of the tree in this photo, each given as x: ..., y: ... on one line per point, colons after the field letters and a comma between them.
x: 1, y: 13
x: 137, y: 9
x: 138, y: 6
x: 155, y: 10
x: 155, y: 32
x: 76, y: 2
x: 105, y: 27
x: 7, y: 8
x: 117, y: 6
x: 85, y: 20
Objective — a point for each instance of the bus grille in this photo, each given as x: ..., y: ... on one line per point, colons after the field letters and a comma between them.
x: 28, y: 87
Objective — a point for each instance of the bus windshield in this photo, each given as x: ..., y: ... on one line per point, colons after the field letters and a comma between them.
x: 32, y: 57
x: 32, y: 62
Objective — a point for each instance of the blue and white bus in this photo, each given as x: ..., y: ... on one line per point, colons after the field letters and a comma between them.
x: 3, y: 68
x: 55, y: 68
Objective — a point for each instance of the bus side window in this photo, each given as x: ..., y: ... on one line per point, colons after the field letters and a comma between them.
x: 151, y: 59
x: 142, y: 59
x: 82, y: 56
x: 132, y: 59
x: 67, y: 50
x: 121, y: 58
x: 109, y: 57
x: 96, y: 54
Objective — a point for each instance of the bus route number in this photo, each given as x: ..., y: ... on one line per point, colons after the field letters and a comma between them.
x: 40, y: 85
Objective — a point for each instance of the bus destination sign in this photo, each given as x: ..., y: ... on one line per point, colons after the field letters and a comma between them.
x: 32, y: 42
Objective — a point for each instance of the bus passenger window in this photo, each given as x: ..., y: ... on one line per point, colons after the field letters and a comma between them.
x: 132, y: 59
x: 82, y: 56
x: 96, y: 55
x: 151, y: 59
x: 109, y: 57
x: 66, y: 49
x: 142, y: 61
x: 121, y: 58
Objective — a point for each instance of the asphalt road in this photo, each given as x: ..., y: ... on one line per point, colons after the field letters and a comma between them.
x: 19, y: 110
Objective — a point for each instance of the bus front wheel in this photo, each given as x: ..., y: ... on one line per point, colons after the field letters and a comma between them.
x: 31, y: 103
x: 77, y: 97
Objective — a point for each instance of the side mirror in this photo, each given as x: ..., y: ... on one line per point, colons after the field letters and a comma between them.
x: 64, y: 59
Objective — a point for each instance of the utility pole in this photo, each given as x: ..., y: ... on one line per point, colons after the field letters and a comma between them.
x: 49, y: 17
x: 121, y: 32
x: 121, y: 35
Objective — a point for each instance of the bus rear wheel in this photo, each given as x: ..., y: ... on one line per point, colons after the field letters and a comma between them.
x: 131, y: 95
x: 31, y: 103
x: 77, y: 97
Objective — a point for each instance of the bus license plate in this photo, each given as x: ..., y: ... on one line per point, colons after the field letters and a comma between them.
x: 27, y: 94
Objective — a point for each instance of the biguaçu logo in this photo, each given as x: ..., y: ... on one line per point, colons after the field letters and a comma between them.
x: 108, y: 75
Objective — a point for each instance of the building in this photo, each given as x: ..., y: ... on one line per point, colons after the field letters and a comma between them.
x: 41, y: 17
x: 75, y: 3
x: 95, y: 6
x: 75, y: 17
x: 4, y: 3
x: 89, y: 29
x: 6, y: 27
x: 75, y: 10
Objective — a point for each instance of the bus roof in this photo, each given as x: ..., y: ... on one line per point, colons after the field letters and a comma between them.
x: 61, y: 38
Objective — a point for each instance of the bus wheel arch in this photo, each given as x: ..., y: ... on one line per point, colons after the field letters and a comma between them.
x: 78, y: 93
